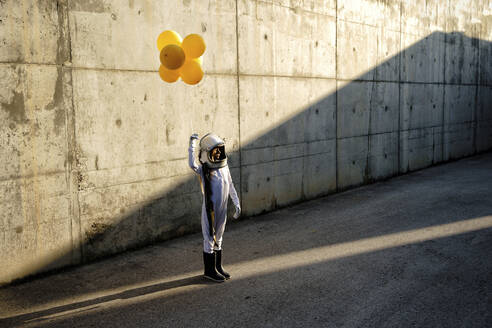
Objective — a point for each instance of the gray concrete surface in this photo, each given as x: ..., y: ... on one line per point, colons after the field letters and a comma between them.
x: 312, y: 97
x: 413, y: 251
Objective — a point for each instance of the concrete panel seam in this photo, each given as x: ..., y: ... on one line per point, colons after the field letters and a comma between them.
x: 289, y: 144
x: 252, y: 75
x: 287, y: 76
x: 377, y: 134
x: 411, y: 82
x: 475, y: 112
x: 26, y: 63
x: 30, y: 175
x: 420, y: 129
x: 457, y: 123
x: 474, y: 118
x: 286, y: 159
x: 102, y: 69
x: 42, y: 197
x: 294, y: 8
x: 123, y: 166
x: 72, y: 173
x: 336, y: 97
x: 137, y: 181
x: 142, y: 164
x: 365, y: 24
x: 148, y: 201
x: 239, y: 188
x: 368, y: 162
x: 277, y: 160
x: 443, y: 105
x: 399, y: 90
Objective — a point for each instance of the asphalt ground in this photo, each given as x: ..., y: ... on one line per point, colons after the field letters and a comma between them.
x: 413, y: 251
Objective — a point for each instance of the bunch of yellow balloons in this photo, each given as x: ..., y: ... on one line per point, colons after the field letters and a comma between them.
x: 180, y: 58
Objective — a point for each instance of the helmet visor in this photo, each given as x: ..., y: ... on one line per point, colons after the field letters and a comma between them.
x: 217, y: 154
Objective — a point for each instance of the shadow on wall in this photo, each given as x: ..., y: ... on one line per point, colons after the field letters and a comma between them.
x: 399, y: 117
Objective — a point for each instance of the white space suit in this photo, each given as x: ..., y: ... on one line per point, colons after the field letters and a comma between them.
x: 217, y: 186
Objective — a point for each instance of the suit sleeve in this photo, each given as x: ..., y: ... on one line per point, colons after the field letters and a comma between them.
x: 194, y: 164
x: 232, y: 191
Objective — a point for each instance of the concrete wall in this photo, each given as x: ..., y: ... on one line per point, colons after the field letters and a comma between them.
x: 312, y: 97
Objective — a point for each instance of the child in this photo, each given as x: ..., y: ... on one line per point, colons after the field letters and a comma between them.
x: 216, y: 183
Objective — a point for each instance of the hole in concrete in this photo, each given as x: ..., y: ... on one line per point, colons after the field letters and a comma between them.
x: 353, y: 162
x: 118, y: 122
x: 433, y: 105
x: 411, y: 107
x: 317, y: 111
x: 113, y: 16
x: 268, y: 178
x: 385, y: 108
x: 316, y: 44
x: 353, y: 110
x: 207, y: 117
x: 266, y: 37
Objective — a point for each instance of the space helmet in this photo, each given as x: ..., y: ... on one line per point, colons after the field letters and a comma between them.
x: 208, y: 143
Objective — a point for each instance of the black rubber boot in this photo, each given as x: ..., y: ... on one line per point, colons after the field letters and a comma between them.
x: 218, y: 264
x: 210, y: 272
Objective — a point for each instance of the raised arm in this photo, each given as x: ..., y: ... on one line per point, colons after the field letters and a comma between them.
x: 194, y: 165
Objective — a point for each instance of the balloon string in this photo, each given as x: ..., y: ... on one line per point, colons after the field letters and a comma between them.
x: 191, y: 123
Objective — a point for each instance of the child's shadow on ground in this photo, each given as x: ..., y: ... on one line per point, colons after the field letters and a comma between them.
x: 44, y: 315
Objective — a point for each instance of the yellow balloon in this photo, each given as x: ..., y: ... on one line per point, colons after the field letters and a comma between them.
x: 168, y: 37
x: 172, y: 56
x: 168, y: 75
x: 191, y: 72
x: 193, y: 46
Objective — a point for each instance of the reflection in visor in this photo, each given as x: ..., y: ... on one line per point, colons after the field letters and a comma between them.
x: 217, y: 154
